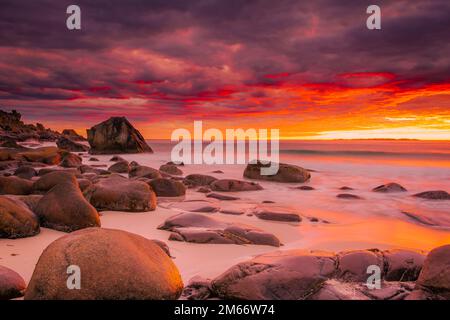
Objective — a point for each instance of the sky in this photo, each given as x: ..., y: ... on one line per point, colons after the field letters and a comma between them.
x: 311, y: 69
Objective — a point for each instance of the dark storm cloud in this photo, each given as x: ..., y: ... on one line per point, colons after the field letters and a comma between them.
x: 173, y: 51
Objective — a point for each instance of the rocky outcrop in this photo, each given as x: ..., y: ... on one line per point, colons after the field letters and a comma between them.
x: 116, y: 135
x: 49, y: 180
x: 230, y: 185
x: 114, y: 264
x: 118, y: 193
x: 317, y: 275
x: 12, y: 127
x: 16, y: 219
x: 286, y: 173
x: 198, y: 228
x: 12, y: 284
x: 71, y: 160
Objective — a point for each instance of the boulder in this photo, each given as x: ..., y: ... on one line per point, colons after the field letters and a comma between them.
x: 353, y: 264
x: 114, y: 264
x: 120, y: 167
x: 49, y: 180
x: 116, y: 159
x: 197, y: 180
x: 118, y: 193
x: 227, y: 185
x: 71, y: 160
x: 286, y: 173
x: 91, y: 169
x: 16, y: 219
x: 69, y: 145
x: 144, y: 172
x: 167, y: 187
x: 197, y: 288
x: 116, y: 135
x: 435, y: 274
x: 390, y: 187
x: 198, y: 228
x: 402, y: 265
x: 171, y: 169
x: 25, y: 172
x: 65, y: 209
x: 281, y: 275
x: 12, y: 284
x: 15, y: 185
x: 30, y: 201
x: 84, y: 184
x: 434, y: 195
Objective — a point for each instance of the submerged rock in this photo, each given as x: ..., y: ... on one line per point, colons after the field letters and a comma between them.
x: 286, y: 173
x: 116, y: 135
x: 221, y: 196
x: 349, y: 196
x: 390, y: 187
x: 114, y: 264
x: 144, y: 172
x: 433, y: 195
x: 275, y: 213
x: 232, y: 185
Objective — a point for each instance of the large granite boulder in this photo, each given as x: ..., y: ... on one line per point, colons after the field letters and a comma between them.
x: 116, y: 135
x: 286, y: 172
x: 12, y: 284
x: 114, y: 265
x: 281, y: 275
x: 118, y: 193
x: 16, y: 219
x: 197, y: 180
x: 64, y: 208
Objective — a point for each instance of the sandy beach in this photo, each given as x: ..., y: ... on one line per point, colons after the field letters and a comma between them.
x: 376, y: 221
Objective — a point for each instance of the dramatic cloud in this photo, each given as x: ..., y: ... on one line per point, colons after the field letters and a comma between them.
x: 310, y: 68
